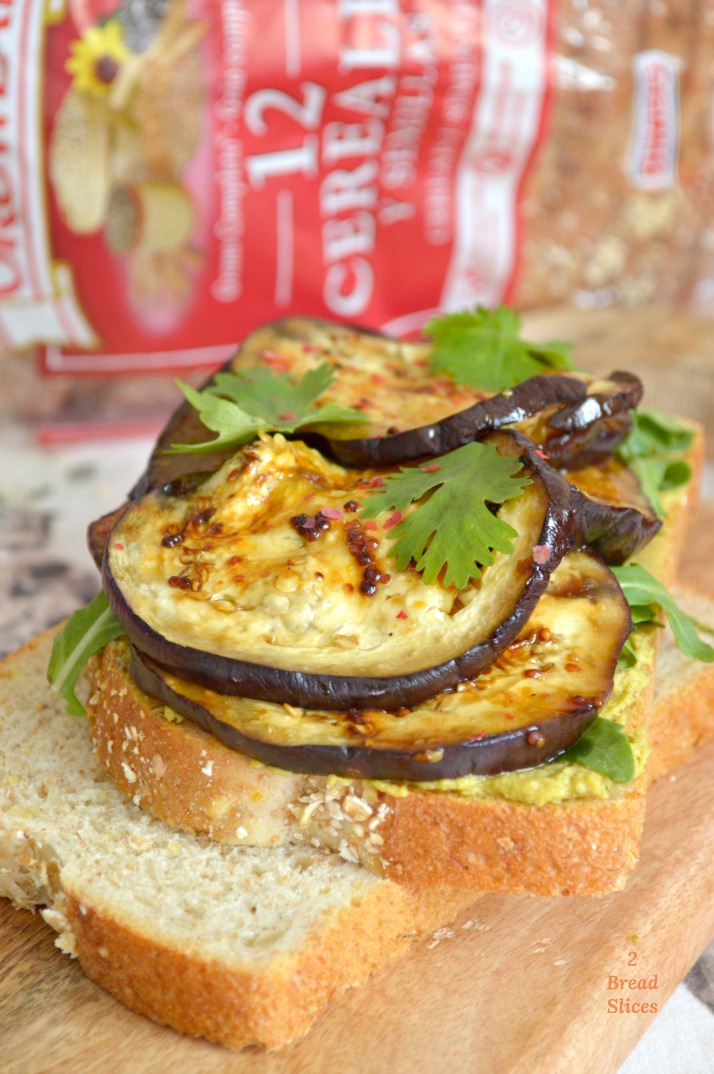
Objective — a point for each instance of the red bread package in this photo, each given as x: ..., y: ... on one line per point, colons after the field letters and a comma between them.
x: 175, y: 172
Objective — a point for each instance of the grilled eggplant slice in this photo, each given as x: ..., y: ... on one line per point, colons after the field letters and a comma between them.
x: 238, y: 589
x: 616, y: 517
x: 411, y: 413
x: 531, y: 704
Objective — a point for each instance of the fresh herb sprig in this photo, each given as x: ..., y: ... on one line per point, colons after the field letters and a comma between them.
x: 239, y: 405
x: 647, y: 598
x: 483, y: 348
x: 452, y: 525
x: 653, y: 450
x: 604, y: 748
x: 86, y: 631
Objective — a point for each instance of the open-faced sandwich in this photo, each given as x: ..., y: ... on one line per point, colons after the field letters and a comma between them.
x: 390, y: 592
x: 383, y: 638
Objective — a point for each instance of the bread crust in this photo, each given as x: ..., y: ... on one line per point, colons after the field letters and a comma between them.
x: 271, y: 1007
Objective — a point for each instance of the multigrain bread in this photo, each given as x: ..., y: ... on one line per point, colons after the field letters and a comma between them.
x: 239, y: 945
x: 554, y: 830
x: 680, y: 687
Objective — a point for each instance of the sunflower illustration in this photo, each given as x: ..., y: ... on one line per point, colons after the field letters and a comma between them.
x: 97, y: 58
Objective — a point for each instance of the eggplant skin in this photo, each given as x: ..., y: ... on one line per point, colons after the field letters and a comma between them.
x: 616, y: 518
x: 553, y: 527
x: 98, y: 533
x: 529, y: 706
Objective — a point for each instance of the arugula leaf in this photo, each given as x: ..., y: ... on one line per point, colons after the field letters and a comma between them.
x: 646, y: 595
x: 603, y: 748
x: 240, y: 404
x: 482, y: 348
x: 652, y: 449
x: 86, y: 632
x: 453, y: 526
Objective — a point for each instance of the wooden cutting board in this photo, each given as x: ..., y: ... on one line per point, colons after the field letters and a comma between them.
x: 519, y: 985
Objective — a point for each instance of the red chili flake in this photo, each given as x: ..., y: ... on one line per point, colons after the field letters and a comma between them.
x: 364, y: 404
x: 394, y: 519
x: 369, y: 524
x: 430, y: 469
x: 377, y: 378
x: 572, y: 667
x: 475, y: 738
x: 375, y: 482
x: 541, y: 454
x: 508, y: 716
x: 276, y: 361
x: 119, y: 547
x: 310, y: 348
x: 541, y: 553
x: 331, y: 512
x: 402, y: 615
x: 288, y: 415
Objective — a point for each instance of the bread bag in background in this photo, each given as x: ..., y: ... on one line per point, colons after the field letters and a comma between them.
x: 177, y: 171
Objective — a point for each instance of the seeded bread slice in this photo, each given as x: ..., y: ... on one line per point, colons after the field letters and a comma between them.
x: 240, y: 945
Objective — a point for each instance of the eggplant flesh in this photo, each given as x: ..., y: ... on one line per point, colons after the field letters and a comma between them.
x: 532, y: 703
x: 285, y: 619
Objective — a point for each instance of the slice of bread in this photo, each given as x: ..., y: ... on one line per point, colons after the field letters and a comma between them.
x: 558, y: 829
x: 239, y: 945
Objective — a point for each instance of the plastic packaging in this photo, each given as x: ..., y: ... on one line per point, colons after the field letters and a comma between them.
x: 174, y: 172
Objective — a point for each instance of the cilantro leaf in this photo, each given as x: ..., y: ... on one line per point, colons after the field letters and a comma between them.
x: 603, y: 748
x: 653, y: 449
x: 240, y: 404
x: 451, y: 523
x: 483, y: 348
x: 86, y: 632
x: 646, y: 596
